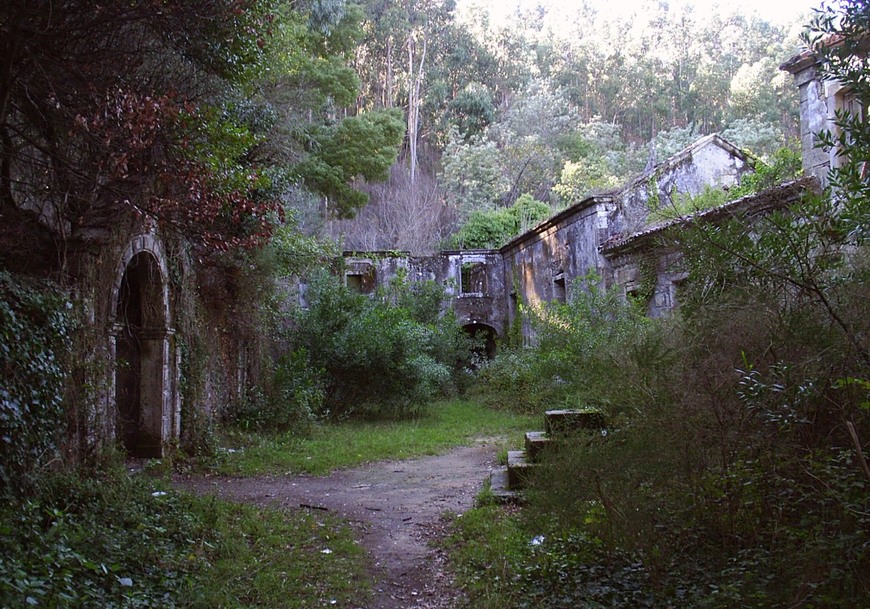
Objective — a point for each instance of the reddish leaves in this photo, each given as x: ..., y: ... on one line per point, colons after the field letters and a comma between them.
x: 142, y: 141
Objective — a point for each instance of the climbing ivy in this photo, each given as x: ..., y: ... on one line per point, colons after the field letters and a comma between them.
x: 36, y: 322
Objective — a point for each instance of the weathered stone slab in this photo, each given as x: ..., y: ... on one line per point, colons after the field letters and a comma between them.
x: 536, y: 443
x: 567, y: 421
x: 499, y: 486
x: 519, y: 468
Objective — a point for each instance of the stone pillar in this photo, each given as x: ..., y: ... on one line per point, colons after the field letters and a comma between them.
x: 814, y: 114
x: 157, y: 402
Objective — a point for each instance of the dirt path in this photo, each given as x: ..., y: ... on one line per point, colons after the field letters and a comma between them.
x: 396, y: 507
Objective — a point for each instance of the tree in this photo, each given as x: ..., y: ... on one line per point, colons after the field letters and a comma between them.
x: 400, y: 216
x: 398, y: 34
x: 113, y: 110
x: 472, y: 109
x: 472, y: 176
x: 839, y: 38
x: 363, y: 146
x: 491, y: 229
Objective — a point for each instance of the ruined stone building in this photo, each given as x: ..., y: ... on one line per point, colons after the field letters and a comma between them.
x: 610, y: 236
x: 133, y: 288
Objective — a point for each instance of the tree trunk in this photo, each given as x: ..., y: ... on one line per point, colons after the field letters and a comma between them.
x: 388, y: 102
x: 415, y: 82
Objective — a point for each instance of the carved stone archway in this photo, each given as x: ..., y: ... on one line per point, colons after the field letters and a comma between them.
x: 144, y: 406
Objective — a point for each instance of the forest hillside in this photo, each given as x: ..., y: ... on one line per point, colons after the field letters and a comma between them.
x: 553, y: 104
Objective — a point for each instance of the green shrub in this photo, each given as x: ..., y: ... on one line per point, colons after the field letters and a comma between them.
x: 596, y: 350
x: 784, y: 165
x: 371, y: 356
x: 292, y: 401
x: 36, y: 321
x: 491, y: 229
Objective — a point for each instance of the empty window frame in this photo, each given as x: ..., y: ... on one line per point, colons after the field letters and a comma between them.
x: 560, y: 291
x: 472, y: 278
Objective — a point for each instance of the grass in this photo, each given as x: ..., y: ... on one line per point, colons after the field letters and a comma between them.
x: 111, y: 540
x: 328, y: 447
x: 266, y: 557
x: 487, y: 549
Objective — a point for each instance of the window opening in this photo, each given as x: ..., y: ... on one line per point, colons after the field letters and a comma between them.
x: 473, y: 278
x: 560, y: 292
x: 354, y: 283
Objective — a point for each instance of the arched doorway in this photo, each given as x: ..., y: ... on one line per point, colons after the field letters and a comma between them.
x: 141, y: 357
x: 484, y: 337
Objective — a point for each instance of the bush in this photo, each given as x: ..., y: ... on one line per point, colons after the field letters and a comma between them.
x: 493, y: 228
x: 350, y: 354
x: 596, y: 350
x: 36, y: 322
x: 292, y: 400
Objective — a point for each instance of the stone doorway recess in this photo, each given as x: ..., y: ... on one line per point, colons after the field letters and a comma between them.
x: 145, y: 413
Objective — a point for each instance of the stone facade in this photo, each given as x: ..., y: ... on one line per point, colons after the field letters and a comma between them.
x: 820, y: 99
x: 487, y: 287
x: 473, y: 280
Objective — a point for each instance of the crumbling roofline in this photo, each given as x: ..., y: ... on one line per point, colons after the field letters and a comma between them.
x: 777, y: 197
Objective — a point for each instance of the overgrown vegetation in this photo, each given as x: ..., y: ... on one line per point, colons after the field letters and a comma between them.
x: 36, y: 324
x: 584, y: 350
x: 493, y: 228
x: 348, y: 354
x: 733, y: 472
x: 110, y: 540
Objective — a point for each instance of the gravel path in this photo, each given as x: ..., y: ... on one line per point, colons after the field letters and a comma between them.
x: 395, y: 506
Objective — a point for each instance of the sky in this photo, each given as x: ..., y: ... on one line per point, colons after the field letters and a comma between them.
x: 783, y: 12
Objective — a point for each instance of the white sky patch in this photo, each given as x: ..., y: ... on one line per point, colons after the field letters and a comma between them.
x: 782, y: 12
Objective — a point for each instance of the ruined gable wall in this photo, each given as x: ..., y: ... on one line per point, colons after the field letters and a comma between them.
x: 818, y: 102
x: 711, y: 161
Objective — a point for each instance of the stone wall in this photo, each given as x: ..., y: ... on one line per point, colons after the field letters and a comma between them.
x: 819, y: 101
x: 487, y: 287
x: 709, y: 162
x: 473, y: 280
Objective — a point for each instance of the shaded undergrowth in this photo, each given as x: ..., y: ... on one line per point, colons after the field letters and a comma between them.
x: 110, y: 540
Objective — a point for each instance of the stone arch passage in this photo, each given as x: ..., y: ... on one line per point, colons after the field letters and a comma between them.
x: 486, y: 336
x: 141, y: 357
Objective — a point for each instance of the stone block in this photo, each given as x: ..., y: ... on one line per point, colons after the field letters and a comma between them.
x: 519, y: 468
x: 536, y: 443
x: 567, y: 421
x: 499, y: 486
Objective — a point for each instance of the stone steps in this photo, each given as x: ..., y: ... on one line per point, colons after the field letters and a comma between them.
x: 536, y: 443
x: 567, y: 421
x: 519, y: 468
x: 499, y: 486
x: 506, y: 483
